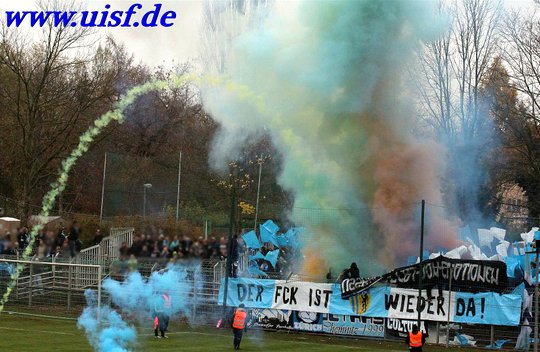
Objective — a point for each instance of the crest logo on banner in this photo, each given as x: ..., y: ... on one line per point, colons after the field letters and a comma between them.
x: 360, y: 303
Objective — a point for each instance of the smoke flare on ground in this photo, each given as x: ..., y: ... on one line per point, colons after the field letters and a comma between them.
x: 139, y: 297
x: 332, y: 75
x: 105, y: 329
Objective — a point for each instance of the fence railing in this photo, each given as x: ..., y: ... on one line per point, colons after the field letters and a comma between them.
x: 108, y: 249
x: 59, y: 287
x: 52, y: 284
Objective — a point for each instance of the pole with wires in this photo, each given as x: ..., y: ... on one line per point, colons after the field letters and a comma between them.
x: 178, y: 188
x: 260, y: 160
x: 228, y: 263
x: 421, y: 260
x: 537, y: 250
x: 103, y: 189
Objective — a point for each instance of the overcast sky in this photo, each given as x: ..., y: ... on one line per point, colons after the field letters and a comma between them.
x: 179, y: 43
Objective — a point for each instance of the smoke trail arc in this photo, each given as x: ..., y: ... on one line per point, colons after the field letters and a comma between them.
x: 241, y: 92
x: 84, y: 143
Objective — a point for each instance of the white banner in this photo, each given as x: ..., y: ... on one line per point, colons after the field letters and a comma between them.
x: 402, y: 304
x: 302, y: 296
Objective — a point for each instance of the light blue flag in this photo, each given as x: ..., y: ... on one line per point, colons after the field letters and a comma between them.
x: 254, y: 270
x: 511, y: 264
x: 463, y: 341
x: 514, y: 246
x: 519, y: 290
x: 283, y: 240
x: 290, y: 238
x: 425, y: 254
x: 257, y: 255
x: 411, y: 260
x: 268, y: 232
x: 251, y: 240
x: 497, y: 345
x: 274, y: 240
x: 272, y: 257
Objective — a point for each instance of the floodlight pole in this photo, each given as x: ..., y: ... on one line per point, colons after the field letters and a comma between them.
x: 228, y: 263
x: 145, y: 187
x: 421, y: 260
x: 536, y: 302
x: 178, y: 188
x: 103, y: 188
x: 258, y: 192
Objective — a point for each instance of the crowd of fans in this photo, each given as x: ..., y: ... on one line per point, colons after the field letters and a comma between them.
x: 146, y: 246
x: 165, y: 249
x: 64, y: 243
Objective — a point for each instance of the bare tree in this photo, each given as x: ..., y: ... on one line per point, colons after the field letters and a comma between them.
x: 453, y: 68
x: 521, y: 51
x: 52, y: 88
x: 436, y: 86
x: 475, y: 40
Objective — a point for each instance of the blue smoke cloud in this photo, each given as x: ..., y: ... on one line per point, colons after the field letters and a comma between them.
x: 105, y: 329
x: 331, y: 75
x: 139, y: 297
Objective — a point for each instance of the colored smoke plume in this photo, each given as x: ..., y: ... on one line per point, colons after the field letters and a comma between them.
x: 332, y: 75
x: 138, y: 296
x: 105, y: 329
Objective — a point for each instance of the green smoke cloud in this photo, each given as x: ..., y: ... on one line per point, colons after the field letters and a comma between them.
x: 331, y: 73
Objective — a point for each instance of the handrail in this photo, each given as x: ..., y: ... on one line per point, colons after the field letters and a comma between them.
x: 48, y: 263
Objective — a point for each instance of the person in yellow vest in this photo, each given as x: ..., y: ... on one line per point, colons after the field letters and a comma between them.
x: 162, y: 310
x: 239, y: 325
x: 415, y: 339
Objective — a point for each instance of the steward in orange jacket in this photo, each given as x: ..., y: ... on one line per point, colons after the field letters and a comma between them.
x: 239, y: 325
x: 415, y: 339
x: 162, y: 310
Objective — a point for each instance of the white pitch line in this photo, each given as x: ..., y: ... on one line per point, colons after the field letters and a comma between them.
x: 33, y: 330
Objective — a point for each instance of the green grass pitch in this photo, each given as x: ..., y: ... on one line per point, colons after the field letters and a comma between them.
x: 24, y: 333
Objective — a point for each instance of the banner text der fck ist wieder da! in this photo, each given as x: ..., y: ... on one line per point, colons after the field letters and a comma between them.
x: 378, y: 302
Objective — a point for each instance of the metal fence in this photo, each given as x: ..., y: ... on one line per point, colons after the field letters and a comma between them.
x: 50, y: 286
x: 57, y: 288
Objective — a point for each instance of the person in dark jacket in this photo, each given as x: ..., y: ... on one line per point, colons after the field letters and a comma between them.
x: 350, y: 273
x: 74, y: 241
x: 98, y: 237
x: 354, y: 273
x: 23, y: 238
x: 415, y: 339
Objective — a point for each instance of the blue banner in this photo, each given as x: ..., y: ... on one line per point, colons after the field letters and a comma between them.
x: 378, y: 302
x: 480, y: 308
